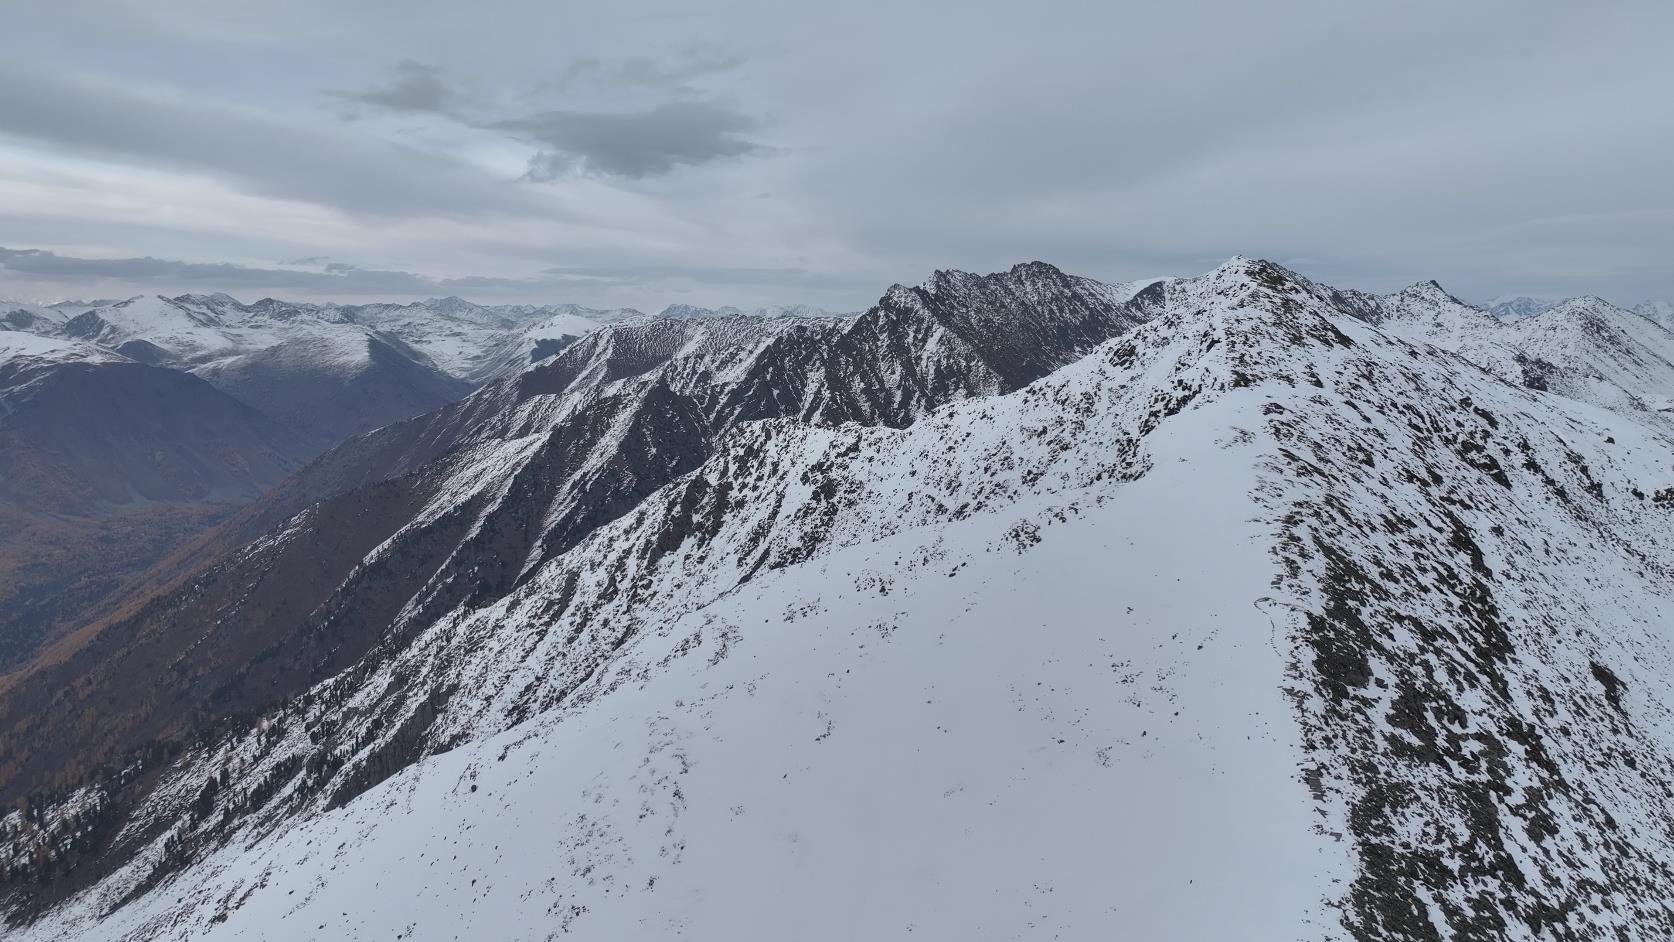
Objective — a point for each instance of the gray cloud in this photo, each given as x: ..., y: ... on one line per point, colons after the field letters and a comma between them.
x: 690, y: 130
x: 634, y: 144
x: 674, y: 74
x: 640, y: 275
x: 1499, y: 146
x: 335, y: 280
x: 415, y: 87
x: 250, y: 149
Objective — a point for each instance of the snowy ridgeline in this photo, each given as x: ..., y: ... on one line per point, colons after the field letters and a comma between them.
x: 215, y: 333
x: 1257, y: 619
x: 470, y: 342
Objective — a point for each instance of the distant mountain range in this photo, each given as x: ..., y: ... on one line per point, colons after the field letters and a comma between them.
x: 1018, y: 605
x: 127, y: 426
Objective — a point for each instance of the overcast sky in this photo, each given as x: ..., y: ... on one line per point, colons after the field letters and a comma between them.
x: 747, y: 152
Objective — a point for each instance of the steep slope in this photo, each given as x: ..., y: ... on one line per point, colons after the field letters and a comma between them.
x: 1256, y: 616
x: 544, y: 339
x: 323, y: 390
x: 82, y: 433
x: 462, y: 505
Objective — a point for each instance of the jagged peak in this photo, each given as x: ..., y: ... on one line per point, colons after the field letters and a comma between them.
x: 1259, y: 270
x: 1241, y: 279
x: 1430, y: 289
x: 1023, y: 273
x: 1035, y: 269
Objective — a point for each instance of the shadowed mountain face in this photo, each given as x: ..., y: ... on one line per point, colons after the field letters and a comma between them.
x: 703, y: 616
x: 80, y: 437
x: 105, y: 466
x: 318, y: 405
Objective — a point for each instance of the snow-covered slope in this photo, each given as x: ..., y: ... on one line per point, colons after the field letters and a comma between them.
x: 1660, y: 311
x: 480, y: 343
x: 1257, y: 621
x: 329, y: 369
x: 543, y: 339
x: 1583, y: 348
x: 16, y: 344
x: 1512, y: 307
x: 1603, y: 354
x: 36, y: 318
x: 1426, y: 313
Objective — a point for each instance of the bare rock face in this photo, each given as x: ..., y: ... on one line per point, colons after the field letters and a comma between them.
x: 1015, y: 605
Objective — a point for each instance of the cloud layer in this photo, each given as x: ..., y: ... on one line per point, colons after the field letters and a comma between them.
x: 634, y: 144
x: 749, y: 154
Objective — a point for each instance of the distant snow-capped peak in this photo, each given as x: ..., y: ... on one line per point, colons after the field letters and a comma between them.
x: 1510, y: 307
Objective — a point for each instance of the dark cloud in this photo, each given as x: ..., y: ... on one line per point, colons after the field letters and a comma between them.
x: 415, y: 87
x: 634, y: 144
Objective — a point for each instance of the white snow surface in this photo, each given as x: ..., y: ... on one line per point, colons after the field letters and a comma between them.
x: 16, y: 344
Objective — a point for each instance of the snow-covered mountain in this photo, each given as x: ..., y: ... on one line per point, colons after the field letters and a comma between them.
x: 1583, y: 348
x: 1511, y: 307
x: 454, y: 336
x: 34, y: 318
x: 517, y: 475
x: 320, y: 376
x: 1014, y: 607
x: 107, y: 469
x: 476, y: 342
x: 17, y: 345
x: 1660, y: 311
x: 325, y: 372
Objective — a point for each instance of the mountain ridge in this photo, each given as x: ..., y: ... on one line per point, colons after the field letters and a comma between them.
x: 1419, y: 524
